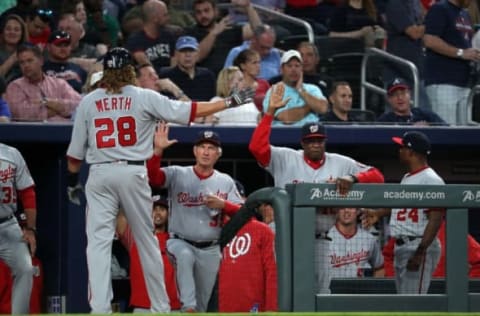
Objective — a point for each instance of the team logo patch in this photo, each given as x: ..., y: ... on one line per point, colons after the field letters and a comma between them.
x: 313, y: 128
x: 208, y: 134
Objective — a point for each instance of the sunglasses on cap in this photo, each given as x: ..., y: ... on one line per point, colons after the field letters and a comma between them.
x: 44, y: 14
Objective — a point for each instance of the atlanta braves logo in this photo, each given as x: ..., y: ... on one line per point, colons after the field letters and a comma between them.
x: 239, y: 246
x: 6, y: 174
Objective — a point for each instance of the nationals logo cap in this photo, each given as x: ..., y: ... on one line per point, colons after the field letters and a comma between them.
x: 208, y: 136
x: 313, y: 130
x: 160, y: 200
x: 416, y: 141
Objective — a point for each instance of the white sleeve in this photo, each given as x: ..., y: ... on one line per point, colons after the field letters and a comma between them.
x: 79, y: 140
x: 161, y: 107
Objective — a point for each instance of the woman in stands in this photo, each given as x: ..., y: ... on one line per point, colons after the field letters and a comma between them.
x: 13, y: 32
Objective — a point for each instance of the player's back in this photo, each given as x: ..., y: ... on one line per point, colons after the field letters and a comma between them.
x: 121, y: 126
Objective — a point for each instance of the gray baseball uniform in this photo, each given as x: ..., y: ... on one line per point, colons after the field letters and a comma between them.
x: 114, y: 132
x: 14, y: 175
x: 194, y: 230
x: 288, y: 166
x: 350, y: 256
x: 408, y: 226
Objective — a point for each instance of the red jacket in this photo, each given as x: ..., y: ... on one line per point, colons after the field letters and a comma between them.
x: 139, y: 294
x: 248, y: 271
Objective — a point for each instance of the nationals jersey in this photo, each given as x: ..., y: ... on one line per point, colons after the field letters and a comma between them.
x: 250, y: 255
x: 288, y: 166
x: 14, y: 175
x: 412, y: 221
x: 189, y: 217
x: 111, y: 127
x: 350, y: 256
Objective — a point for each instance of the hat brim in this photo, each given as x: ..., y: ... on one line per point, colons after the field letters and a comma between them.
x: 310, y: 136
x: 187, y: 47
x: 398, y: 141
x: 210, y: 141
x: 59, y: 41
x: 397, y: 87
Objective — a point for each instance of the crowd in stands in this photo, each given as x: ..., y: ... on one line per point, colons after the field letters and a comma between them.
x: 51, y: 55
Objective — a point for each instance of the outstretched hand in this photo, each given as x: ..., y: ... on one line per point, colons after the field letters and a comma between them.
x: 240, y: 97
x: 161, y: 140
x: 276, y: 100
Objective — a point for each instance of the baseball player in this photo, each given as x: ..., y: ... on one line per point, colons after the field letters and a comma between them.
x: 354, y: 252
x: 417, y: 248
x: 199, y: 197
x: 17, y: 245
x: 139, y: 297
x: 312, y: 164
x: 113, y: 131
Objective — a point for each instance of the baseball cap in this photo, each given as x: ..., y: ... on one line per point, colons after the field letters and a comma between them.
x: 160, y: 200
x: 395, y: 84
x: 59, y: 37
x: 312, y: 130
x: 208, y: 136
x: 117, y: 58
x: 96, y: 77
x: 289, y: 54
x: 416, y: 141
x: 186, y: 42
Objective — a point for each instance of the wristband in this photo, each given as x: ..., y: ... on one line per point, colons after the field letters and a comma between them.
x: 72, y: 179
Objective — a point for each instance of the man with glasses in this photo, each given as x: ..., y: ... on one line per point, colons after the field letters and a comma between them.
x: 310, y: 164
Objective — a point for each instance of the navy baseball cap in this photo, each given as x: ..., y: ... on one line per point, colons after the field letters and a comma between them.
x: 186, y: 42
x: 313, y: 130
x: 117, y: 58
x: 208, y: 136
x: 59, y: 37
x: 395, y: 84
x: 160, y: 200
x: 416, y: 141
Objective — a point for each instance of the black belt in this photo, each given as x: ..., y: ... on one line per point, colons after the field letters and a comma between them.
x: 399, y: 241
x: 198, y: 244
x: 3, y: 220
x: 128, y: 162
x: 323, y: 236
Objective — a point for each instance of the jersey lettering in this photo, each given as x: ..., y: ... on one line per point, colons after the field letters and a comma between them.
x: 412, y: 214
x: 126, y: 132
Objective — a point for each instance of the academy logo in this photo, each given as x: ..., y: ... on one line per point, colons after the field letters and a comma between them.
x: 329, y: 194
x: 471, y: 196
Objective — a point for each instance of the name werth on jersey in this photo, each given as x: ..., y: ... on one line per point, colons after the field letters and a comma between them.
x: 113, y: 104
x: 350, y: 257
x: 7, y: 174
x: 188, y: 199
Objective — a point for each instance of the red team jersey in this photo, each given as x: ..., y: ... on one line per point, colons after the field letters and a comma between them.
x: 139, y: 296
x: 248, y: 271
x: 6, y: 283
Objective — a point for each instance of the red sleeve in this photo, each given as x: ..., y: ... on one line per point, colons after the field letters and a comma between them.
x: 372, y: 175
x: 27, y: 196
x: 271, y: 280
x: 36, y: 296
x: 156, y: 176
x: 260, y: 143
x: 388, y: 258
x: 231, y: 208
x: 473, y: 256
x: 193, y: 112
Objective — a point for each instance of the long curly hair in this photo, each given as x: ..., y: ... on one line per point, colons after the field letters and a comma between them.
x: 115, y: 79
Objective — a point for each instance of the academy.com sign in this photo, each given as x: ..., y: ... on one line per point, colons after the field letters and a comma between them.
x: 332, y: 194
x: 419, y: 196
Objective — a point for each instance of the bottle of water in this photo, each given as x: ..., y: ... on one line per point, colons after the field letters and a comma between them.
x: 254, y: 308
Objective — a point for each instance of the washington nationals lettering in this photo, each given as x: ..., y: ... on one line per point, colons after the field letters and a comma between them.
x: 190, y: 200
x: 7, y: 174
x: 349, y: 258
x: 239, y: 246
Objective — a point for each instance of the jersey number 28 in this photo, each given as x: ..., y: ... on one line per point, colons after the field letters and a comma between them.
x: 125, y: 127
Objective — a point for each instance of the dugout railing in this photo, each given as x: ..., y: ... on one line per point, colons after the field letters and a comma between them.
x: 295, y: 231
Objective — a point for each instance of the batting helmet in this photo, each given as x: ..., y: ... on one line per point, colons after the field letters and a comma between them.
x: 117, y: 58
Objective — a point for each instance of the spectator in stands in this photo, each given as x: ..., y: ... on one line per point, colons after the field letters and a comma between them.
x: 154, y: 43
x: 38, y: 26
x: 5, y: 114
x: 267, y: 213
x: 99, y: 23
x: 248, y: 61
x: 58, y: 64
x: 22, y: 9
x: 402, y: 112
x: 448, y: 35
x: 340, y: 99
x: 311, y: 61
x: 306, y: 101
x: 229, y: 80
x: 139, y: 297
x: 262, y: 42
x: 197, y: 83
x: 350, y: 241
x: 13, y: 33
x: 82, y: 53
x: 147, y: 78
x: 179, y: 17
x: 37, y: 97
x: 357, y: 19
x: 217, y: 38
x: 405, y: 39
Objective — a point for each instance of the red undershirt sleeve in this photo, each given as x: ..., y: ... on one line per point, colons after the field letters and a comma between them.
x: 260, y: 142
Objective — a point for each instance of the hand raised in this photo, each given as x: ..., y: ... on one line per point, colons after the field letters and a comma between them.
x: 276, y: 100
x: 161, y: 140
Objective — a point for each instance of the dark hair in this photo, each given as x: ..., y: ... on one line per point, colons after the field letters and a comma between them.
x: 29, y: 47
x: 336, y: 84
x: 19, y: 19
x: 243, y: 57
x: 308, y: 44
x: 140, y: 67
x: 46, y: 15
x: 212, y: 2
